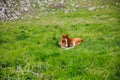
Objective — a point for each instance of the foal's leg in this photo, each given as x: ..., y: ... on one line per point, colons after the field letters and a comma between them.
x: 76, y: 44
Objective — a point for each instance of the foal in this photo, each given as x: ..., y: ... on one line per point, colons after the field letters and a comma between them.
x: 67, y: 42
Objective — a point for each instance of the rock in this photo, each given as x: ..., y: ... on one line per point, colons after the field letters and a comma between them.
x: 92, y: 8
x: 22, y: 9
x: 57, y: 5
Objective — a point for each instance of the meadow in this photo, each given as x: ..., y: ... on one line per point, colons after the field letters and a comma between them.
x: 29, y: 48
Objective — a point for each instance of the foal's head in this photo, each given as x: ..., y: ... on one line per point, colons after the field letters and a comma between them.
x: 65, y: 39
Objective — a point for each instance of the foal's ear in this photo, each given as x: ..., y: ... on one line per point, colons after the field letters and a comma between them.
x: 67, y: 35
x: 63, y: 35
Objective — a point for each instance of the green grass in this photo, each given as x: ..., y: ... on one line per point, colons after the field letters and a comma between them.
x: 29, y: 49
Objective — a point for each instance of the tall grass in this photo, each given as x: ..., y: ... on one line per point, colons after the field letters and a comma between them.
x: 29, y: 49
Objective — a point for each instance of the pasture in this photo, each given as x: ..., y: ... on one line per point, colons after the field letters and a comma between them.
x: 29, y: 48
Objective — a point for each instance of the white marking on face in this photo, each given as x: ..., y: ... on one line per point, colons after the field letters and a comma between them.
x: 66, y: 43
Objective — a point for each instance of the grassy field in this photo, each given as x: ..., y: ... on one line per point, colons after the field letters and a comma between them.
x: 29, y: 48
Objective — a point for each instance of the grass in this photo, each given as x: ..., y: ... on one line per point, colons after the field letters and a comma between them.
x: 29, y: 48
